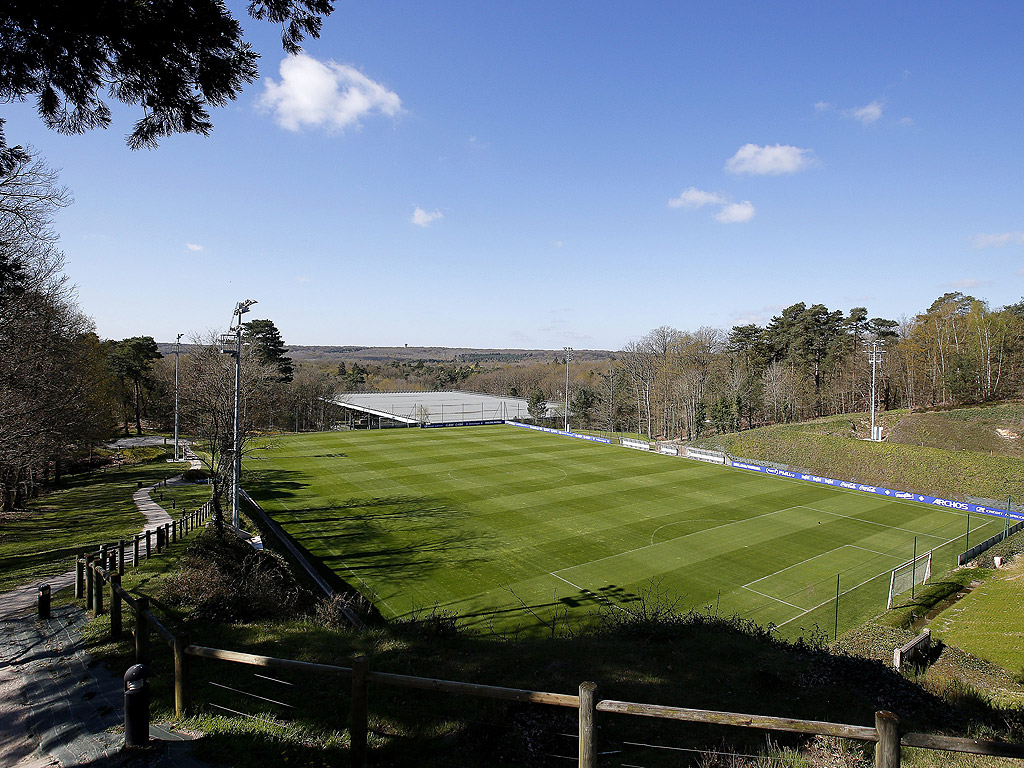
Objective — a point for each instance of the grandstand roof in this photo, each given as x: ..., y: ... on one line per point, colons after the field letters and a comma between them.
x: 437, y: 407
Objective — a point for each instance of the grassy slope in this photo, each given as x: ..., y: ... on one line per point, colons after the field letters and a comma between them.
x: 818, y: 446
x: 965, y: 429
x: 987, y: 621
x: 510, y: 527
x: 87, y: 509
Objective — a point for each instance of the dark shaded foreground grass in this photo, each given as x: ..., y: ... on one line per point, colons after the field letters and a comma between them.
x: 85, y: 510
x: 654, y: 652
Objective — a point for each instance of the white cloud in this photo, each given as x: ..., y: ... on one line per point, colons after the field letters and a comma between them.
x: 769, y: 160
x: 193, y: 246
x: 736, y: 213
x: 869, y: 113
x: 325, y: 95
x: 824, y: 106
x: 696, y: 198
x: 425, y: 218
x: 998, y: 240
x: 558, y: 243
x: 906, y: 122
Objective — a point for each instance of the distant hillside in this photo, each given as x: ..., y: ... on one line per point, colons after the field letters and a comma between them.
x: 436, y: 354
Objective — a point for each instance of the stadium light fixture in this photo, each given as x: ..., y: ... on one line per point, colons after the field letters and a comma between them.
x: 236, y: 456
x: 568, y: 357
x: 876, y: 357
x: 177, y: 351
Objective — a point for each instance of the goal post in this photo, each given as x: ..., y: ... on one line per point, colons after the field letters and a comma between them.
x: 908, y: 575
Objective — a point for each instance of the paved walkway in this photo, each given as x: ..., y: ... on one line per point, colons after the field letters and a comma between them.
x: 58, y: 707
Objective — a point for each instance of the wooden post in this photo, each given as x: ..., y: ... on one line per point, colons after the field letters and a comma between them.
x: 120, y: 557
x: 588, y: 735
x: 182, y: 699
x: 887, y: 752
x: 88, y: 583
x: 115, y: 606
x: 149, y: 542
x: 79, y: 578
x: 141, y: 631
x: 97, y: 584
x: 135, y: 551
x: 174, y: 531
x: 358, y: 725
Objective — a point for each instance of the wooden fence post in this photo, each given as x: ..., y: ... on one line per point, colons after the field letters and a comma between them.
x: 135, y: 551
x: 141, y: 631
x: 120, y: 557
x: 588, y: 735
x: 174, y: 531
x: 887, y: 752
x: 97, y: 583
x: 115, y: 606
x: 182, y: 698
x: 79, y: 578
x: 88, y: 583
x: 358, y: 725
x: 149, y: 543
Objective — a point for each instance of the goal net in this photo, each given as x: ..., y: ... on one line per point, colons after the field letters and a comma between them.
x: 905, y: 577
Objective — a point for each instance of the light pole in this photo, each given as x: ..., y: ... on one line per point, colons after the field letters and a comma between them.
x: 177, y: 351
x: 876, y: 357
x: 568, y: 357
x: 236, y: 453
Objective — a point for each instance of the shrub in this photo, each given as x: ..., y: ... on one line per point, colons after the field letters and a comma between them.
x: 224, y: 579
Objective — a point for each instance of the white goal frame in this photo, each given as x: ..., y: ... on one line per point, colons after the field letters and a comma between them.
x: 918, y: 570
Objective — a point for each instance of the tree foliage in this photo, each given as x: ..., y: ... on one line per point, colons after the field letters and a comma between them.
x: 172, y: 58
x: 268, y: 346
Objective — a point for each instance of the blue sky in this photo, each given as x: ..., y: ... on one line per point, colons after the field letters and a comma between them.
x: 570, y: 173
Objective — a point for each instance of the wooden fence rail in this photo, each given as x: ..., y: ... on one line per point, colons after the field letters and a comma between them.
x: 885, y: 734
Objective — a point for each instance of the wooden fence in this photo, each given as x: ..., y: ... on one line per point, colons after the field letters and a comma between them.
x: 885, y: 734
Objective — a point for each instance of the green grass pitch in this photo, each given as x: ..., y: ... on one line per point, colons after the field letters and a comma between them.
x: 509, y: 527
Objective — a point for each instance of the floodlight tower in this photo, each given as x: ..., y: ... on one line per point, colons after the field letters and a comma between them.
x: 568, y: 357
x: 177, y: 351
x: 236, y: 453
x: 876, y: 357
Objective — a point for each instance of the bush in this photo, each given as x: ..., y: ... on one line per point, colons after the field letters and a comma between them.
x: 195, y: 475
x: 142, y: 455
x: 224, y: 579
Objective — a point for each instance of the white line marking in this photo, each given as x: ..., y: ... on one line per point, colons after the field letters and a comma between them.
x: 871, y: 522
x: 677, y: 538
x: 762, y: 594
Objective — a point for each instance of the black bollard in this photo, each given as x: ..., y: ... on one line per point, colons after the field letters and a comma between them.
x: 44, y: 601
x: 136, y: 706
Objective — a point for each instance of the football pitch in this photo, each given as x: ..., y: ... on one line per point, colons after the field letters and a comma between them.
x: 509, y: 527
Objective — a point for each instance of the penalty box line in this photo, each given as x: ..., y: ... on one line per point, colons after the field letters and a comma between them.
x: 855, y: 586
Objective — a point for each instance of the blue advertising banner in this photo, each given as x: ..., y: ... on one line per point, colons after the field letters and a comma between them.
x: 962, y: 506
x: 477, y: 423
x: 591, y: 438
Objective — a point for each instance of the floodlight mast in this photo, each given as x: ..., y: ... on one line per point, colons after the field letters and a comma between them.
x: 876, y: 357
x: 177, y: 351
x: 236, y: 457
x: 568, y: 357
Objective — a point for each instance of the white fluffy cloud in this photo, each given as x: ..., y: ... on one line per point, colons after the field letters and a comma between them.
x: 869, y: 113
x: 425, y: 218
x: 728, y: 211
x: 193, y: 246
x: 695, y: 198
x: 328, y: 95
x: 736, y: 213
x: 774, y: 160
x: 998, y: 240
